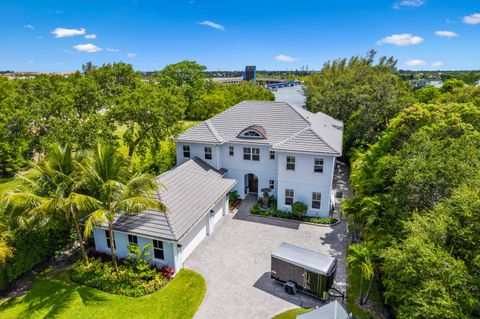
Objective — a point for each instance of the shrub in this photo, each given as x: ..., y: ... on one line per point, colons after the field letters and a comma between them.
x: 134, y: 278
x: 233, y: 197
x: 320, y: 220
x: 299, y: 210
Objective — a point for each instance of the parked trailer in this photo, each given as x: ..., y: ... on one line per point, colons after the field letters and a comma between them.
x: 303, y: 269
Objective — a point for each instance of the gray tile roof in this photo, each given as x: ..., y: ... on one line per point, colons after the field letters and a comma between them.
x: 288, y: 128
x: 191, y: 189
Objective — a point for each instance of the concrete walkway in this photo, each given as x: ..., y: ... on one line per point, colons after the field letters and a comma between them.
x: 235, y: 261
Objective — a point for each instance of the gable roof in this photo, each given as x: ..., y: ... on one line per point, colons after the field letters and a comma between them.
x: 191, y: 189
x: 287, y: 127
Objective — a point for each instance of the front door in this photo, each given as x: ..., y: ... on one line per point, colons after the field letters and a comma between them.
x: 253, y: 183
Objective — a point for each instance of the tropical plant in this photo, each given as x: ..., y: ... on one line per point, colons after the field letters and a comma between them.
x: 362, y: 257
x: 107, y: 178
x: 299, y: 210
x: 50, y: 188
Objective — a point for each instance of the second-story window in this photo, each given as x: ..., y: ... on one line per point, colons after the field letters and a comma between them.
x: 271, y: 184
x: 318, y: 165
x: 231, y: 150
x: 208, y: 153
x: 291, y: 163
x: 272, y: 154
x: 247, y: 153
x: 255, y: 154
x: 186, y: 151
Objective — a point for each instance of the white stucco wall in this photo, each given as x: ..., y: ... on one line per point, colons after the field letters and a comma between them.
x: 121, y: 241
x: 304, y: 181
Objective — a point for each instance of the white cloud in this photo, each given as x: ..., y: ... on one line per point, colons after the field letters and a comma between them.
x: 62, y: 32
x: 437, y: 64
x: 446, y: 34
x: 88, y: 47
x: 111, y: 50
x: 285, y: 58
x: 212, y: 25
x: 91, y: 36
x: 415, y: 62
x: 403, y: 39
x: 409, y: 3
x: 472, y: 19
x: 29, y: 26
x: 131, y: 54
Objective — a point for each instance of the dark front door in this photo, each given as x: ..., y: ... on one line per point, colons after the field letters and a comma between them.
x: 253, y: 183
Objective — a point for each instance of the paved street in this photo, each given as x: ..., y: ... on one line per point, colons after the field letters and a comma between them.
x: 235, y: 261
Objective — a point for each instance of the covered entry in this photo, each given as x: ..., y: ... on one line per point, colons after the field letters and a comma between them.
x: 251, y: 184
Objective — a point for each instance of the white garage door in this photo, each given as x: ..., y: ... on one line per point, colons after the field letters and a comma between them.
x: 194, y: 238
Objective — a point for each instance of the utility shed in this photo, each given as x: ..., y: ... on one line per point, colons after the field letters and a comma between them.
x: 332, y: 310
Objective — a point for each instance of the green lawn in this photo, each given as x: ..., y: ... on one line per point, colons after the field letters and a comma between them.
x: 291, y: 314
x: 60, y: 298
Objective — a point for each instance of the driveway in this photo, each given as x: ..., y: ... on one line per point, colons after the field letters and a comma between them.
x: 235, y: 261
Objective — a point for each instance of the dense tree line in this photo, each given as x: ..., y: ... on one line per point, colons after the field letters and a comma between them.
x: 110, y: 103
x: 50, y: 127
x: 415, y: 160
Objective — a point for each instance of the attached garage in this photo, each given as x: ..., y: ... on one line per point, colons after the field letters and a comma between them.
x: 195, y: 194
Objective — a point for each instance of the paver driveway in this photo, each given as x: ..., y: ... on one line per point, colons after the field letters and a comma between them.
x: 235, y: 261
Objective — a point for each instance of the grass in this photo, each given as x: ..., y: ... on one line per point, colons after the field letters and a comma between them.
x: 353, y: 293
x: 58, y: 297
x: 291, y: 314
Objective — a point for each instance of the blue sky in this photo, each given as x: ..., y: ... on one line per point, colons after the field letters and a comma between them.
x: 227, y: 35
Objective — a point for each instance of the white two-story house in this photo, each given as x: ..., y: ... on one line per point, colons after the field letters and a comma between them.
x: 251, y: 146
x: 270, y: 145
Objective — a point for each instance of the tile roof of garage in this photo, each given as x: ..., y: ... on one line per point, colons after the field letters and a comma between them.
x: 190, y: 191
x: 288, y: 128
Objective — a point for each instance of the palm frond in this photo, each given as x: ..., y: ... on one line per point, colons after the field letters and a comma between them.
x: 134, y: 205
x: 96, y: 218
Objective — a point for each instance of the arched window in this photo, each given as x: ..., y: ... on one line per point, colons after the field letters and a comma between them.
x: 254, y: 131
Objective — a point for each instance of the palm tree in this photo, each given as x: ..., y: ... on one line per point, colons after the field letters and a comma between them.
x: 108, y: 180
x: 6, y: 251
x: 51, y: 189
x: 362, y: 257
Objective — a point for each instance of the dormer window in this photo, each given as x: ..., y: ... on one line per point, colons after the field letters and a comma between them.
x: 253, y: 132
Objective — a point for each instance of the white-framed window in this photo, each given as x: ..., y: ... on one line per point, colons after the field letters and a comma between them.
x: 186, y: 151
x: 291, y: 163
x: 231, y: 150
x: 318, y: 165
x: 107, y: 236
x: 289, y: 196
x: 132, y: 240
x: 272, y: 154
x: 208, y: 153
x: 158, y: 252
x: 316, y: 200
x: 255, y: 154
x: 247, y: 153
x: 271, y: 184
